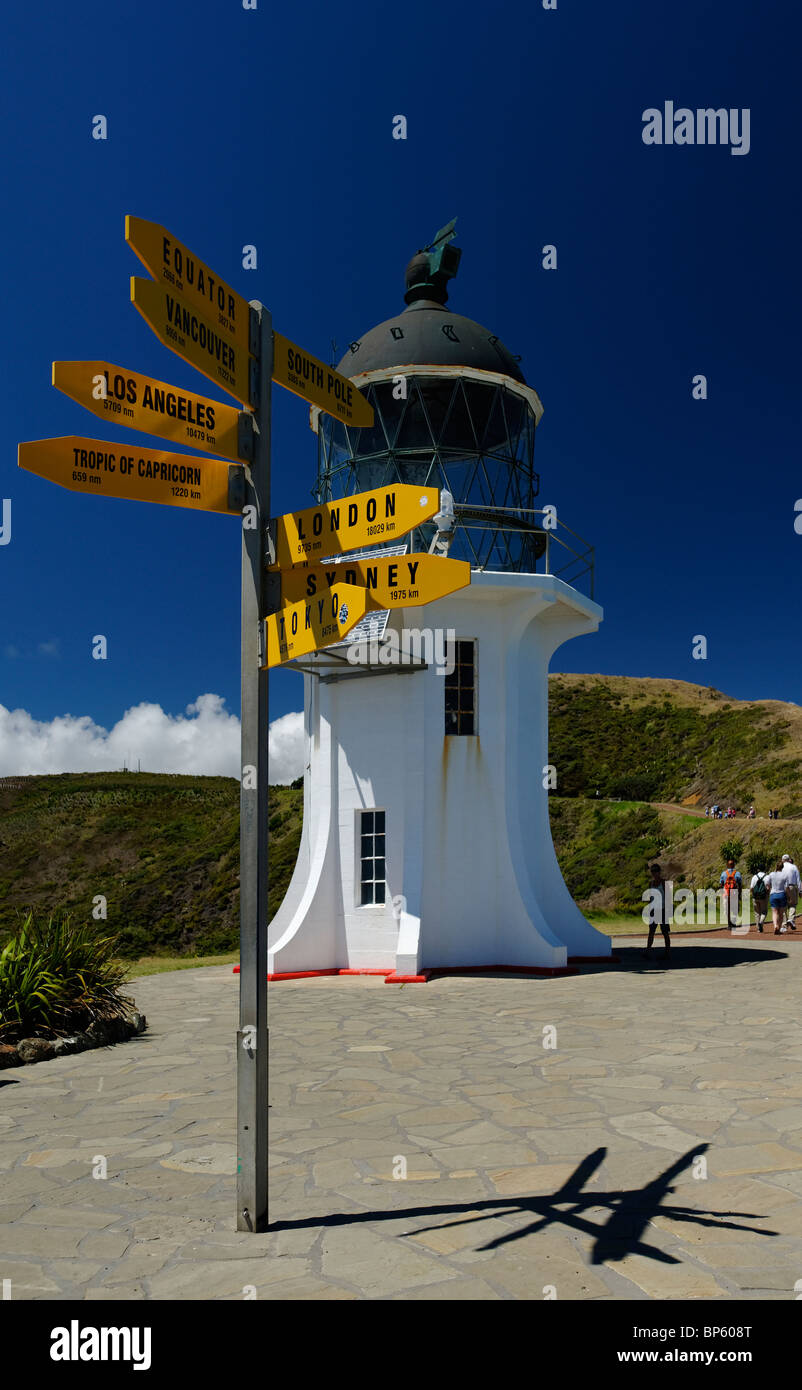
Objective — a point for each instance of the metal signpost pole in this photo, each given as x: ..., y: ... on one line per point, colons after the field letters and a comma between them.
x: 252, y: 1037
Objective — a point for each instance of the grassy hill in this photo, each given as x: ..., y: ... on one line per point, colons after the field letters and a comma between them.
x: 164, y: 850
x: 657, y: 751
x: 665, y: 740
x: 603, y: 847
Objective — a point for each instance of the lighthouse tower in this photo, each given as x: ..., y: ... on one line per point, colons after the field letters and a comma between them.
x: 426, y: 840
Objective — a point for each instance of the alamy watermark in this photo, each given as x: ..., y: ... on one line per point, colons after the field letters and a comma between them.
x: 434, y: 646
x: 704, y: 126
x: 705, y: 907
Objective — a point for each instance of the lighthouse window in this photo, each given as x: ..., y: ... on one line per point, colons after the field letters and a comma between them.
x: 460, y: 690
x: 373, y: 878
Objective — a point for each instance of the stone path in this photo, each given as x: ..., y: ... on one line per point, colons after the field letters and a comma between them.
x: 576, y: 1170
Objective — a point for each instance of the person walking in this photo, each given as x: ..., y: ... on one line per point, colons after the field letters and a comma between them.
x: 658, y: 916
x: 730, y: 881
x: 777, y: 880
x: 759, y: 889
x: 792, y: 887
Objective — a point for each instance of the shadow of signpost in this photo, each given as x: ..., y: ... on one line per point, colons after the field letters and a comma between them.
x: 630, y: 1212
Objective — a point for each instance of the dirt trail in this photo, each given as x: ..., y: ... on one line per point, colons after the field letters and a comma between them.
x: 700, y: 815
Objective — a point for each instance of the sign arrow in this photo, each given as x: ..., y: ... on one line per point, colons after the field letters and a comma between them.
x: 155, y: 407
x: 392, y: 581
x: 310, y: 378
x: 185, y: 330
x: 306, y: 627
x: 178, y: 269
x: 365, y: 518
x: 134, y: 474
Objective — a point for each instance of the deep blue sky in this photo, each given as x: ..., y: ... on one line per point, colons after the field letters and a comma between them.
x: 273, y: 127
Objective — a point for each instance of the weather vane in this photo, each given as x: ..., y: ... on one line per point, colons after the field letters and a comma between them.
x: 435, y: 264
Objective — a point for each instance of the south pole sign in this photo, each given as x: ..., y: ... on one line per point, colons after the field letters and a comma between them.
x: 308, y: 377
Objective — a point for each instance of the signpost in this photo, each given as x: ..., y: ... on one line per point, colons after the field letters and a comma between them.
x: 306, y: 626
x: 185, y: 330
x: 392, y: 581
x: 310, y: 378
x: 135, y: 474
x: 364, y: 519
x: 284, y: 615
x: 252, y: 1036
x: 155, y: 407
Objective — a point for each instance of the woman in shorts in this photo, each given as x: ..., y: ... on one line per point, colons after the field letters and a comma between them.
x: 776, y: 881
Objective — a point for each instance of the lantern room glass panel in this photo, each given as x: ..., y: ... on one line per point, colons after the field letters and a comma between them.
x: 474, y: 439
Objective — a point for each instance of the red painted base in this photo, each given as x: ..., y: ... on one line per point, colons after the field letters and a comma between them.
x: 364, y: 972
x: 391, y: 978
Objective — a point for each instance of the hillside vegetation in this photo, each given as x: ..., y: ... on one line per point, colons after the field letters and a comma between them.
x: 663, y: 740
x: 650, y: 748
x: 163, y: 850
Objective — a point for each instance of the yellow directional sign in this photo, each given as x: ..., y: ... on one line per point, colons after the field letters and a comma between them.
x: 318, y: 622
x: 138, y: 475
x: 181, y: 327
x: 393, y: 581
x: 307, y: 376
x: 364, y: 519
x: 155, y: 407
x: 178, y: 269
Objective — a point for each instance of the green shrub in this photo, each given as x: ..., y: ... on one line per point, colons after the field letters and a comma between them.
x: 732, y: 849
x: 635, y: 786
x: 758, y: 859
x: 58, y: 978
x: 780, y: 773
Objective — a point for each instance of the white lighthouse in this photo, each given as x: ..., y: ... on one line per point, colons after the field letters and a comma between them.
x: 426, y: 842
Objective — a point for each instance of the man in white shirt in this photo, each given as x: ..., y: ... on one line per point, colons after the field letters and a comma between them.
x: 792, y: 887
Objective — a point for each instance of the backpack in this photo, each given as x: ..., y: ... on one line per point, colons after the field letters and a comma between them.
x: 761, y: 888
x: 730, y: 882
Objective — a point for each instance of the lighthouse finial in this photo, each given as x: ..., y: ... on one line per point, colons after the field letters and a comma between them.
x: 429, y: 271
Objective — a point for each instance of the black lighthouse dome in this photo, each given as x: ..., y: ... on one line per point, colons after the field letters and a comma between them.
x: 426, y: 332
x: 452, y: 409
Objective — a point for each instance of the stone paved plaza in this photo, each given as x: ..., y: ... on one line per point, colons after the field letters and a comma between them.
x: 576, y: 1170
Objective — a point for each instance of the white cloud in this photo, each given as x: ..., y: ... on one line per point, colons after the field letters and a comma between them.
x: 286, y: 748
x: 204, y: 741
